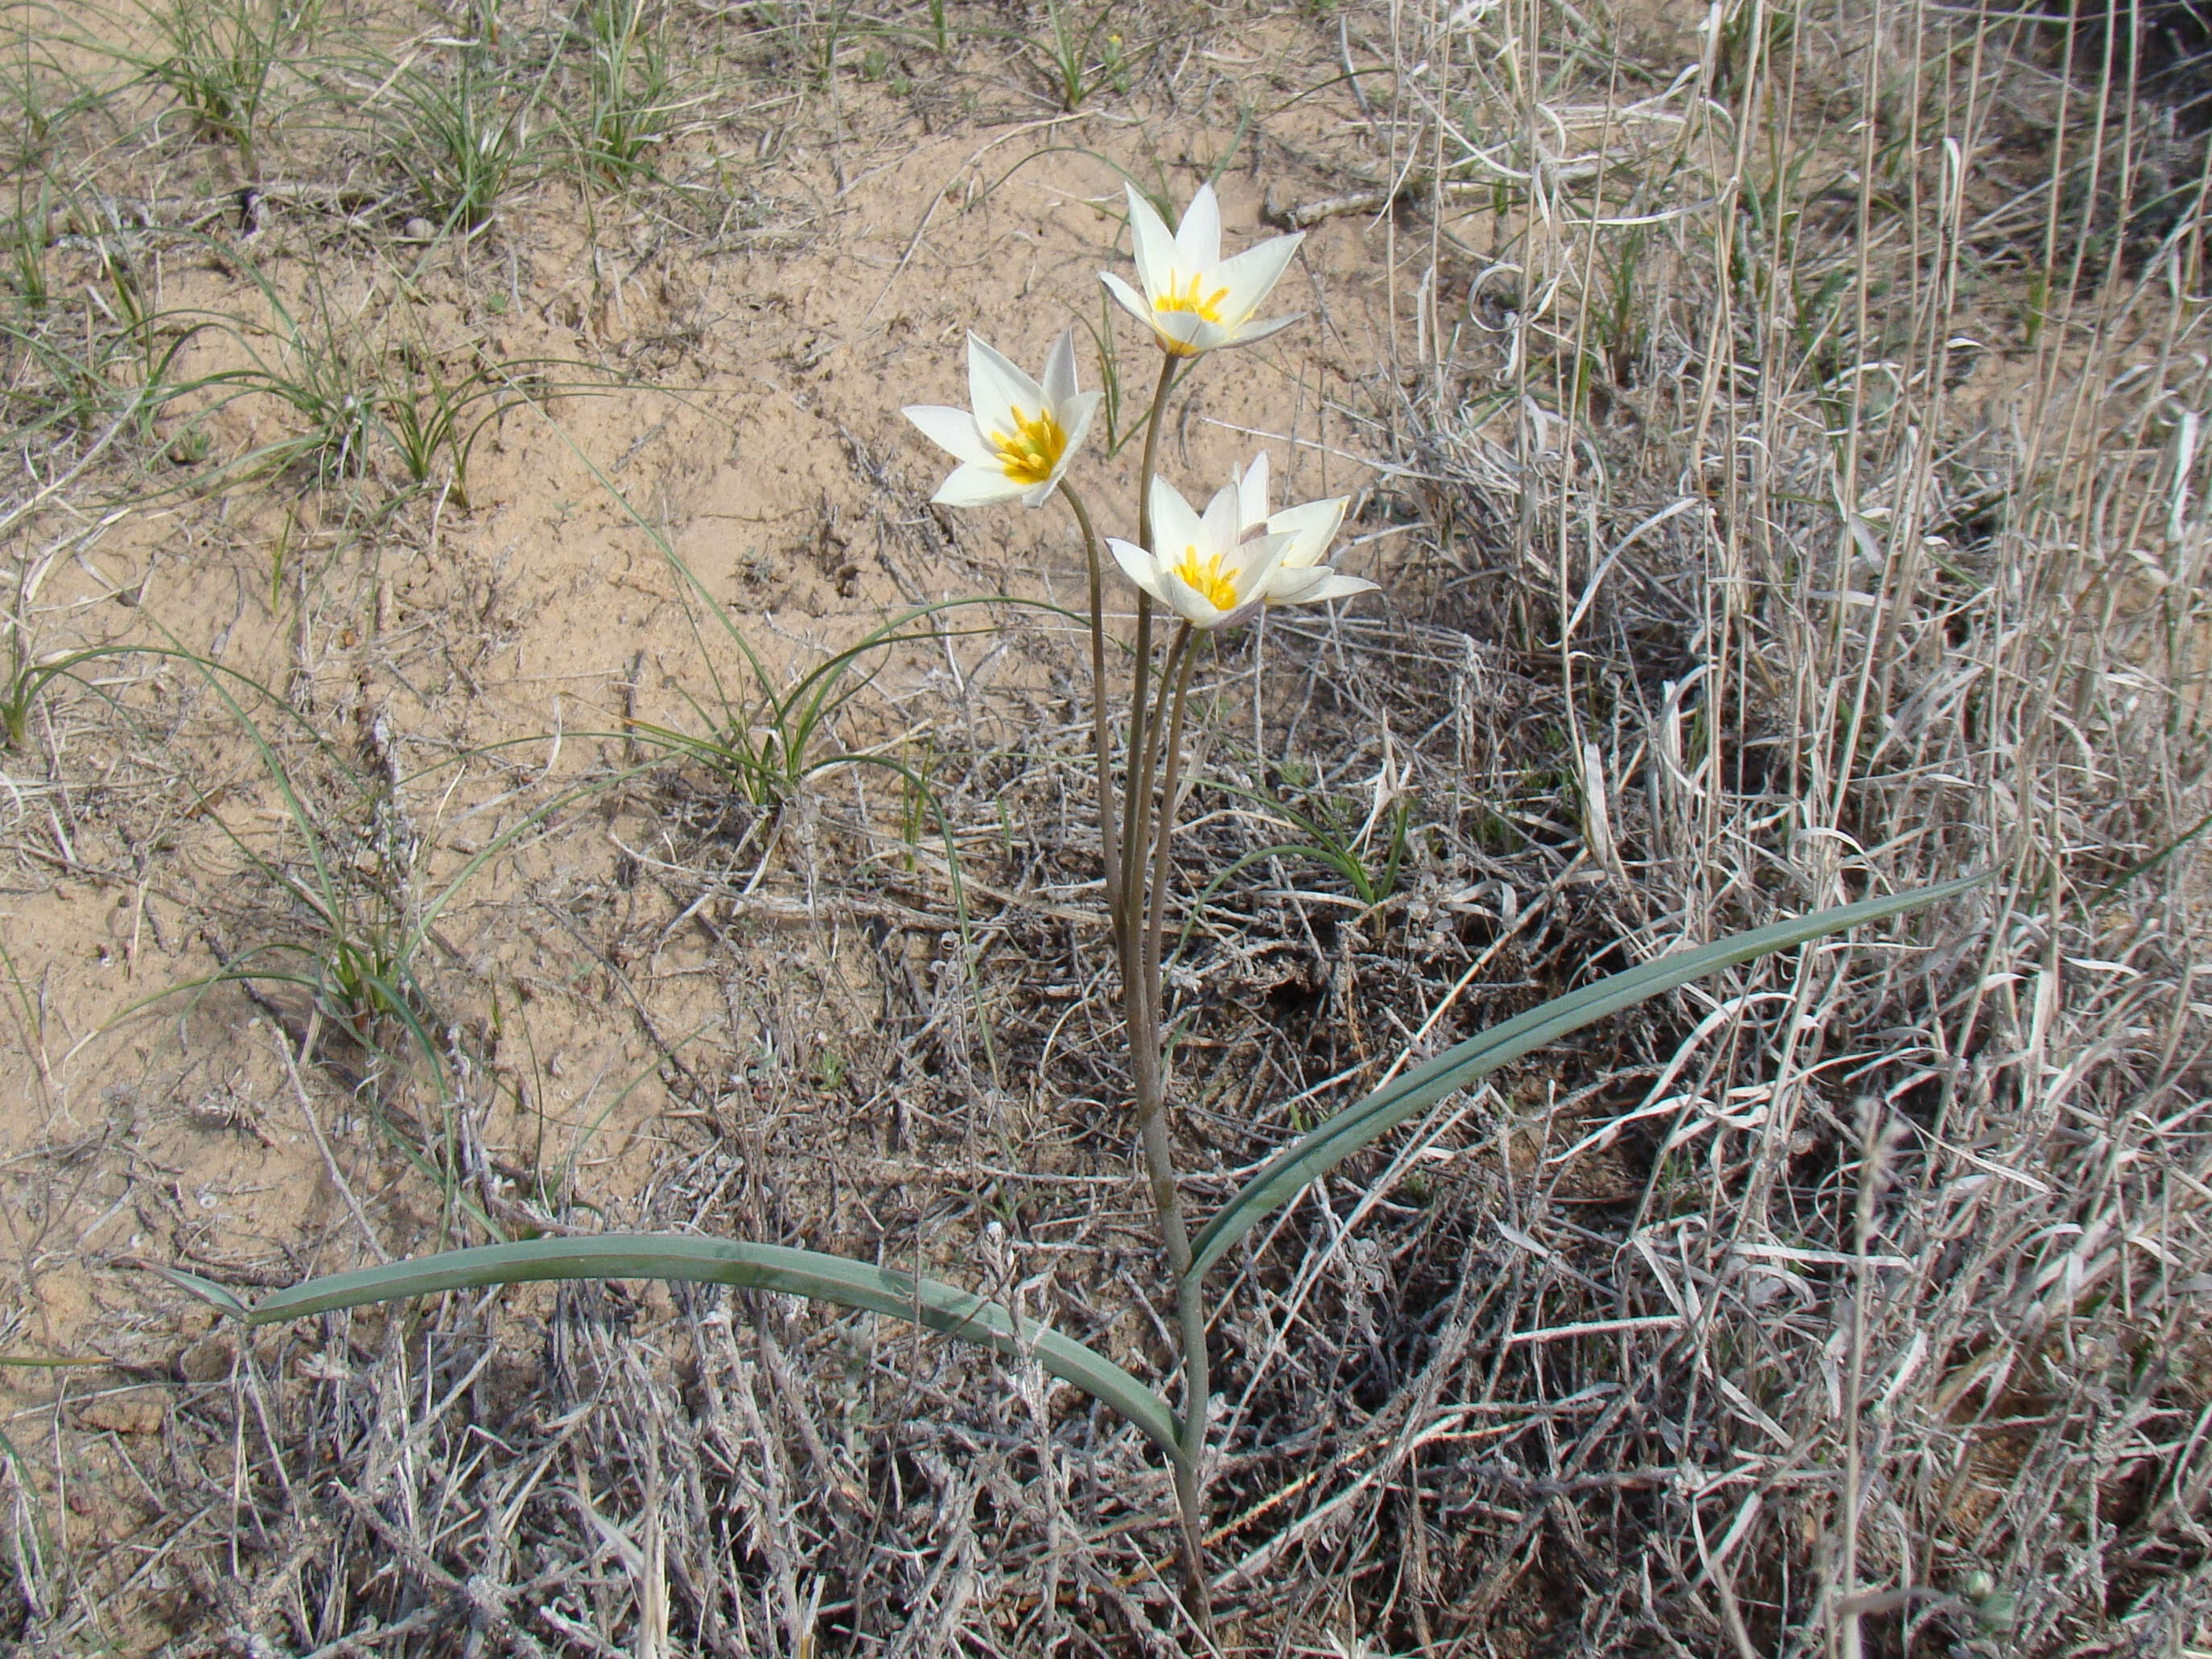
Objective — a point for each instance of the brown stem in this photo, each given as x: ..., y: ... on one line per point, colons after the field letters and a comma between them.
x: 1140, y: 1001
x: 1138, y: 836
x: 1108, y: 819
x: 1190, y: 1466
x: 1170, y: 372
x: 1146, y: 1075
x: 1129, y: 902
x: 1124, y: 901
x: 1140, y: 991
x: 1190, y: 1307
x: 1187, y: 645
x: 1175, y: 1235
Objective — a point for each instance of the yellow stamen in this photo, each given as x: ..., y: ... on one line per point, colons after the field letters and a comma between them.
x: 1207, y: 308
x: 1029, y: 455
x: 1203, y: 577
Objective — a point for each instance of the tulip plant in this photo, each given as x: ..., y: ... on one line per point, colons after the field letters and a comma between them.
x: 1204, y: 572
x: 1211, y: 571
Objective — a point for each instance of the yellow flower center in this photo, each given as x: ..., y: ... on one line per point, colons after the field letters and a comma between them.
x: 1203, y: 575
x: 1029, y: 456
x: 1206, y: 307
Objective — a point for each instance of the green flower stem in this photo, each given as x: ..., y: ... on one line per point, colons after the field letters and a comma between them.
x: 1138, y: 836
x: 1109, y: 818
x: 1136, y: 925
x: 1130, y: 836
x: 1170, y: 372
x: 1119, y: 900
x: 1146, y: 1075
x: 1140, y: 997
x: 1186, y: 645
x: 1190, y: 1304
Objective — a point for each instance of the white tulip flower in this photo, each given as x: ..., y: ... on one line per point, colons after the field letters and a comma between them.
x: 1301, y: 578
x: 1194, y: 300
x: 1019, y: 437
x: 1207, y: 573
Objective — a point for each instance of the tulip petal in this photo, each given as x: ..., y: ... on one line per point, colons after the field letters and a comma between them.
x: 1075, y: 417
x: 952, y: 430
x: 1198, y: 238
x: 1131, y: 302
x: 1311, y: 527
x: 1263, y: 558
x: 997, y: 386
x: 1290, y: 584
x: 1250, y: 275
x: 1154, y: 245
x: 1175, y: 523
x: 1059, y: 382
x: 977, y: 484
x: 1252, y: 496
x: 1313, y: 585
x: 1139, y: 566
x: 1186, y: 602
x: 1336, y: 585
x: 1252, y: 333
x: 1222, y: 524
x: 1244, y: 612
x: 1185, y: 332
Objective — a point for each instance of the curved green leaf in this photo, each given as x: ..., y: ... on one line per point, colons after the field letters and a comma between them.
x: 809, y: 1273
x: 1315, y: 1154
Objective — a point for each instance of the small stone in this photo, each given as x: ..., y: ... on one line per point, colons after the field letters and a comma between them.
x: 418, y: 229
x: 208, y: 1359
x: 138, y: 1412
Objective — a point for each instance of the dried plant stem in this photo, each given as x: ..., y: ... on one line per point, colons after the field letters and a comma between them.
x: 1849, y: 1639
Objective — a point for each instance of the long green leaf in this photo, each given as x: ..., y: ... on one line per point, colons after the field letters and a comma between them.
x: 1315, y: 1154
x: 809, y: 1273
